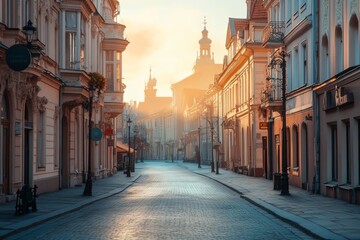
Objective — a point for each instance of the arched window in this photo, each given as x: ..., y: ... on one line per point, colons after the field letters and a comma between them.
x: 339, y: 50
x: 353, y: 41
x: 288, y: 146
x: 325, y: 60
x: 40, y: 140
x: 295, y: 142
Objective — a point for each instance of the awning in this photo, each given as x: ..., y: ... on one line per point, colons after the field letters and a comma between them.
x: 123, y: 148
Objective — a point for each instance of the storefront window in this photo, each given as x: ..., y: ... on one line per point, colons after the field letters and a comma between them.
x: 334, y: 153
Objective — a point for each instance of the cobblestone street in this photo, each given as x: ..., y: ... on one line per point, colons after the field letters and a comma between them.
x: 167, y: 202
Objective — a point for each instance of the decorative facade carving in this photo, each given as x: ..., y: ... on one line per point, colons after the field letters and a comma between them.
x: 41, y: 103
x: 56, y: 112
x: 76, y: 114
x: 108, y: 119
x: 354, y: 7
x: 338, y: 13
x: 24, y: 90
x: 325, y: 22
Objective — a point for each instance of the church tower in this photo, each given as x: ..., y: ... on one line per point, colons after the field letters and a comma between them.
x: 205, y: 57
x: 150, y: 90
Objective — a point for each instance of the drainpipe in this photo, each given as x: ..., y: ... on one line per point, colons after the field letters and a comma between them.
x: 250, y: 139
x: 83, y: 147
x: 316, y: 180
x: 60, y: 133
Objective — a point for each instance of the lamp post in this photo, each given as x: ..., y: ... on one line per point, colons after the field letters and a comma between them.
x: 88, y: 185
x: 128, y: 174
x: 212, y: 152
x: 133, y: 162
x: 279, y: 60
x: 29, y: 30
x: 198, y: 153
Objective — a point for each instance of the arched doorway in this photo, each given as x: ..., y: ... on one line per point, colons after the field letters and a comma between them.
x: 5, y: 145
x: 28, y: 128
x: 304, y: 157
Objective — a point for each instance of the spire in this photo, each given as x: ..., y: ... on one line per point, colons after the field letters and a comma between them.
x: 204, y: 22
x: 205, y: 43
x: 150, y: 73
x: 150, y: 88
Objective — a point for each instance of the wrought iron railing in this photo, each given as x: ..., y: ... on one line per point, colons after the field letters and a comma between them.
x: 274, y: 32
x: 272, y: 91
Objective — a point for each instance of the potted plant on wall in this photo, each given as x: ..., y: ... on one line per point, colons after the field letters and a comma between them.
x: 97, y: 81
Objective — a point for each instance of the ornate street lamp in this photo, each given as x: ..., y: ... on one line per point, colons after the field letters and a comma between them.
x: 278, y: 60
x: 198, y: 154
x: 88, y: 185
x: 29, y: 30
x: 128, y: 174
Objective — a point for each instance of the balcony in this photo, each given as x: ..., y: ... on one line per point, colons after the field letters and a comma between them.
x: 271, y: 96
x: 113, y: 103
x: 273, y: 34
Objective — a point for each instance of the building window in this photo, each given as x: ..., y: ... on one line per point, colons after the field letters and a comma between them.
x: 325, y: 60
x: 118, y: 71
x: 334, y: 153
x: 288, y: 73
x: 302, y: 3
x: 288, y: 12
x: 295, y: 147
x: 339, y: 49
x: 295, y: 6
x: 70, y: 39
x: 83, y: 64
x: 109, y: 70
x: 40, y: 140
x: 304, y: 65
x: 56, y: 150
x: 348, y: 153
x: 295, y: 76
x: 288, y: 146
x: 354, y: 41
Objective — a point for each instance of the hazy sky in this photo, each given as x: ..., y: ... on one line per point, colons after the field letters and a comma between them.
x: 165, y: 34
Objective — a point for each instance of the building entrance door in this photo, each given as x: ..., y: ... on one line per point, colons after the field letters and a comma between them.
x: 5, y: 146
x: 265, y: 154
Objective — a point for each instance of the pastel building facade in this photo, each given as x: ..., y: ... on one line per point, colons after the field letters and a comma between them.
x: 44, y: 124
x: 337, y: 105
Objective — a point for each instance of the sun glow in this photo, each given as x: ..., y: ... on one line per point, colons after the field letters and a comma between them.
x: 164, y: 35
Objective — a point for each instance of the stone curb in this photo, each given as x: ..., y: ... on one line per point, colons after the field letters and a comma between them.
x: 304, y: 225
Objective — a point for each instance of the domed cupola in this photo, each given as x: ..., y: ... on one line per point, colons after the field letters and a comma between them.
x: 205, y: 43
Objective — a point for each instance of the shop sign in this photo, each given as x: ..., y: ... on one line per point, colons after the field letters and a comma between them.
x: 96, y: 134
x: 109, y: 132
x: 263, y: 125
x: 342, y: 97
x: 18, y: 57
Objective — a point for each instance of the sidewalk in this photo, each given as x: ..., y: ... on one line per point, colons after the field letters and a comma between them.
x: 320, y: 216
x: 51, y: 205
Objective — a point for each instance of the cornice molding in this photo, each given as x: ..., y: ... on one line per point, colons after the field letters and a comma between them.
x: 299, y: 30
